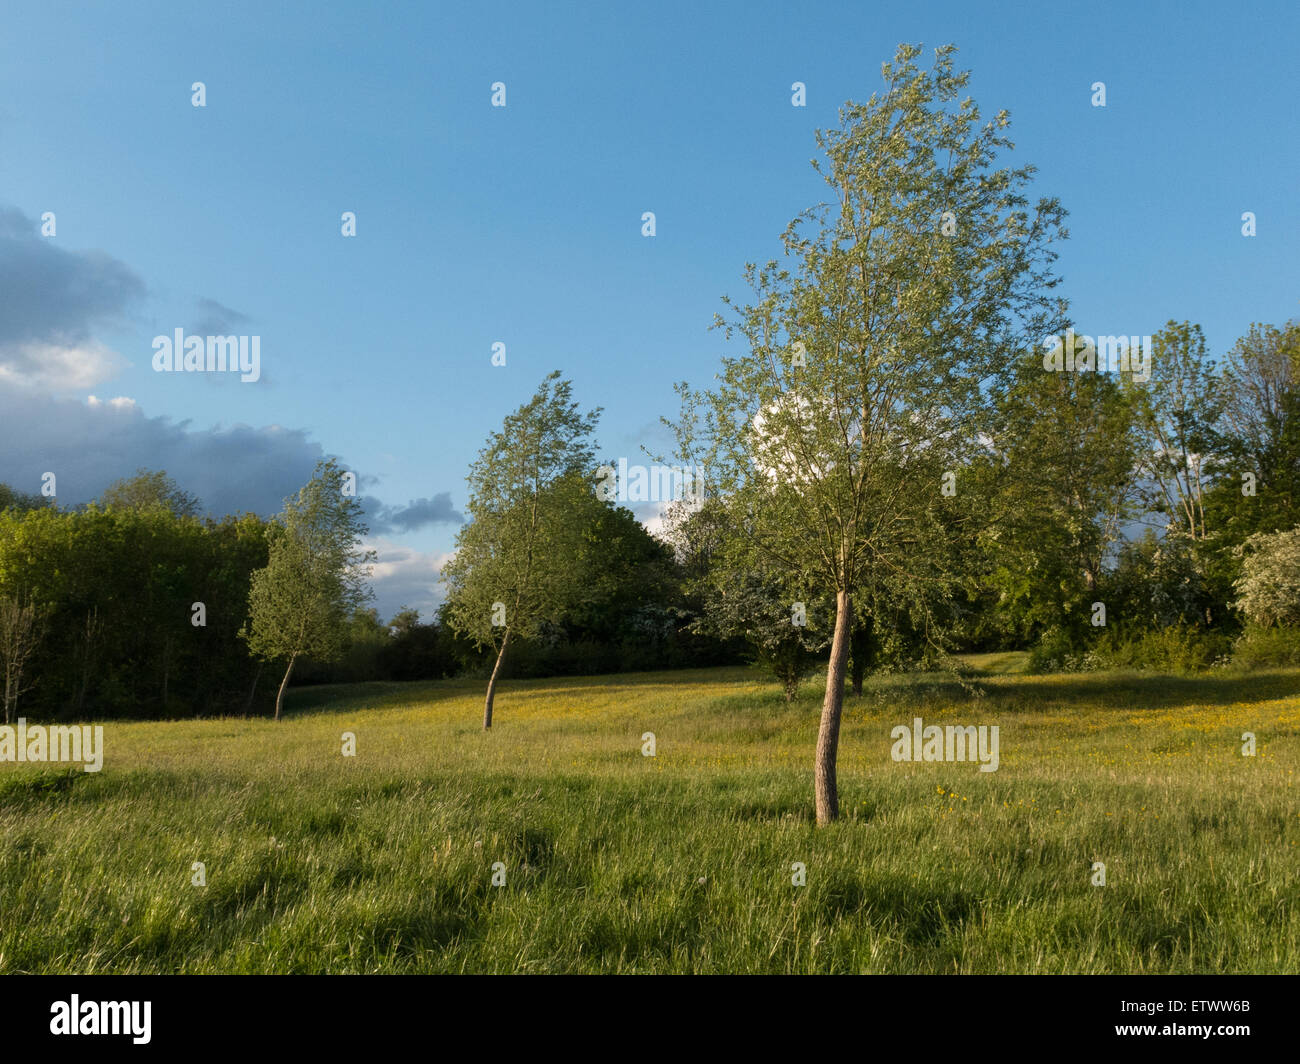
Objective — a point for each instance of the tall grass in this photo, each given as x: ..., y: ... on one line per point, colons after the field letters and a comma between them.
x: 681, y: 862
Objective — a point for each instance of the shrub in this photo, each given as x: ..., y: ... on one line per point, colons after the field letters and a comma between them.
x: 1178, y: 649
x: 1258, y: 647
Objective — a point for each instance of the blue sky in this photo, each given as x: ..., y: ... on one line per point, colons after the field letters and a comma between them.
x: 523, y: 224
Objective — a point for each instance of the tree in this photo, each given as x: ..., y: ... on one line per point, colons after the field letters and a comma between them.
x: 1059, y: 482
x: 742, y: 598
x: 515, y: 565
x: 21, y: 628
x: 834, y: 435
x: 1259, y: 436
x: 301, y: 603
x: 148, y: 489
x: 11, y: 498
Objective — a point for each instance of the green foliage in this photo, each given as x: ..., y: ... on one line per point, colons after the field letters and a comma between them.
x: 12, y: 499
x: 118, y: 587
x: 314, y: 579
x: 147, y: 490
x: 1260, y: 648
x: 521, y: 546
x: 1176, y: 413
x: 1059, y: 481
x: 1179, y: 649
x: 1268, y: 590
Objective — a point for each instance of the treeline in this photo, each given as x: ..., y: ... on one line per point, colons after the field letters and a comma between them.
x: 1101, y: 522
x: 136, y: 607
x: 126, y: 611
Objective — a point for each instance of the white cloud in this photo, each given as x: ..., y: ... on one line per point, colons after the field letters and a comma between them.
x: 402, y: 576
x: 57, y: 368
x: 121, y: 402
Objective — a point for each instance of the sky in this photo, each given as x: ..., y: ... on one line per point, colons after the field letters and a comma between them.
x: 522, y: 225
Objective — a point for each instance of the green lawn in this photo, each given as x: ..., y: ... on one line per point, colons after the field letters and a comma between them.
x: 681, y: 862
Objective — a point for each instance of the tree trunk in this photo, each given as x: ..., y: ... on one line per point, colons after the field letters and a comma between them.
x: 828, y: 735
x: 492, y: 683
x: 248, y: 706
x: 861, y: 641
x: 279, y: 698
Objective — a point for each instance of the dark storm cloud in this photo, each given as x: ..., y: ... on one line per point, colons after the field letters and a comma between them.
x: 88, y: 446
x: 49, y: 295
x: 417, y: 514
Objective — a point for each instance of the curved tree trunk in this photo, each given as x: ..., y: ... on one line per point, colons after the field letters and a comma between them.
x: 279, y: 698
x: 828, y: 735
x: 492, y: 683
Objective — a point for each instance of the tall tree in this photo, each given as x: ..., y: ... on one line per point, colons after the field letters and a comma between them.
x: 835, y: 434
x: 515, y: 566
x: 314, y: 580
x: 1060, y: 481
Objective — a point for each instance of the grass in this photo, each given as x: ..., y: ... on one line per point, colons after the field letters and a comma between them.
x: 681, y: 862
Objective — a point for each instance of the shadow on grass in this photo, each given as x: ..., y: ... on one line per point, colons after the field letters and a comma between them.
x: 382, y: 694
x: 1102, y: 690
x: 1105, y: 690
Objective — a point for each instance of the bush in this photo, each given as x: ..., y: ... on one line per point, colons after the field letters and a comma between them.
x: 1179, y: 648
x: 1058, y: 651
x: 1261, y: 648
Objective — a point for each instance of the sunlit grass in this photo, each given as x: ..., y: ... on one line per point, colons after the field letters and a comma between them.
x: 681, y: 861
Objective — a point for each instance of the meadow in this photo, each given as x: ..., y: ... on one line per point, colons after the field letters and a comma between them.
x: 679, y: 862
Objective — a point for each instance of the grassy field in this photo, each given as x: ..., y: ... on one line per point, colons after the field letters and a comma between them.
x: 681, y: 862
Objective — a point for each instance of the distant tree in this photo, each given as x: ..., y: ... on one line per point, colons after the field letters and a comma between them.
x: 21, y: 628
x: 404, y: 620
x: 148, y: 489
x: 300, y: 605
x: 516, y: 563
x: 11, y: 498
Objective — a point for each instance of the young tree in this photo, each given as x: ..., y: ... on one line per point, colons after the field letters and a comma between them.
x: 837, y: 435
x: 314, y: 580
x: 21, y: 628
x: 515, y: 566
